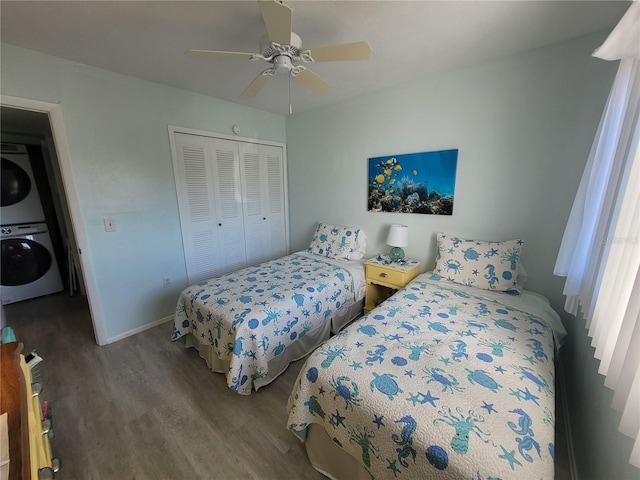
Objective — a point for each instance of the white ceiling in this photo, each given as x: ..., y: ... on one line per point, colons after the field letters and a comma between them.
x: 409, y: 39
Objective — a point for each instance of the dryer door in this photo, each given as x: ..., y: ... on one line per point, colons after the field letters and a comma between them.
x: 23, y: 261
x: 16, y: 183
x: 20, y: 197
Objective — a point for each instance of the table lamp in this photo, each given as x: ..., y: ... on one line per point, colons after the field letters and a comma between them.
x: 398, y: 237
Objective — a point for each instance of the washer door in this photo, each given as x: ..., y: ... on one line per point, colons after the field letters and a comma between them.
x: 23, y: 261
x: 16, y: 184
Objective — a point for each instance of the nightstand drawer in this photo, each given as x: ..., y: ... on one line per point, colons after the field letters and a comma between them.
x: 385, y: 274
x: 384, y: 278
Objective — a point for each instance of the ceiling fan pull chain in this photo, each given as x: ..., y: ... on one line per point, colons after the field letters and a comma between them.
x: 290, y: 106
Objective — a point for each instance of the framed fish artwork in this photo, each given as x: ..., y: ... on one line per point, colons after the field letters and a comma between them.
x: 413, y: 183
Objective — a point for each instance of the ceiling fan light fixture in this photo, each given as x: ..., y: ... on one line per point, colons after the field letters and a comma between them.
x: 282, y: 63
x: 282, y: 49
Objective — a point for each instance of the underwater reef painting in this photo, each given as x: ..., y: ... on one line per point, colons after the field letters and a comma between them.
x: 413, y: 183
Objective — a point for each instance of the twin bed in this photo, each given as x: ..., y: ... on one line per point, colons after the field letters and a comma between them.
x: 440, y: 381
x: 451, y: 377
x: 252, y: 323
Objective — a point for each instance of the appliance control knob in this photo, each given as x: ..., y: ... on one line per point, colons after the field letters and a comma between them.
x: 6, y: 231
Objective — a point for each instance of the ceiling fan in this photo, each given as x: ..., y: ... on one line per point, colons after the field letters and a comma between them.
x: 282, y: 48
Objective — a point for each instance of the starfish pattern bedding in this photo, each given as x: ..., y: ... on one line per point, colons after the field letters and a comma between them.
x: 440, y: 381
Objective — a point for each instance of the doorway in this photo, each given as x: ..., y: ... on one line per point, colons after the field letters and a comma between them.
x: 39, y: 125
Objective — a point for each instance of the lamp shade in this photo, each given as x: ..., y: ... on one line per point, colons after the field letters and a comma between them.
x: 398, y: 235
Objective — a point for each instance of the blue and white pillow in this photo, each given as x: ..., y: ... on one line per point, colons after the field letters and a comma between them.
x: 334, y: 241
x: 481, y: 264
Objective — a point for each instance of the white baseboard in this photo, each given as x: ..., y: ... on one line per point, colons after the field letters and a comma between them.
x: 140, y: 329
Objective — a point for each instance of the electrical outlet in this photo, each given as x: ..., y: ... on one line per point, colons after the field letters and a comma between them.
x: 166, y: 282
x: 109, y: 224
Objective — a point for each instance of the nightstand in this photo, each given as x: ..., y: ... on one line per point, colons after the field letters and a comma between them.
x: 384, y: 277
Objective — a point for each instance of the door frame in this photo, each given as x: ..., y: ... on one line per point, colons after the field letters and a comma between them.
x: 61, y: 145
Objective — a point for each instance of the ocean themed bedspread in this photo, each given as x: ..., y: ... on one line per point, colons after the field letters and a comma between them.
x: 438, y: 382
x: 253, y: 315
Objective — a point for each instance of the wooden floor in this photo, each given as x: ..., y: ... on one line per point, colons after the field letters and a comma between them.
x: 146, y: 408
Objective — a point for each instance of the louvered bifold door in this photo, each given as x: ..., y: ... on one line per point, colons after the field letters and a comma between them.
x: 255, y: 215
x: 262, y: 173
x: 192, y: 168
x: 232, y: 201
x: 276, y: 211
x: 228, y: 202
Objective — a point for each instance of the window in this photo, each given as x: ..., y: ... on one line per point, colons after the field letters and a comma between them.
x: 600, y: 250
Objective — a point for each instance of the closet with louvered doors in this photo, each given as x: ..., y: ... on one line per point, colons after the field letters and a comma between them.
x: 232, y: 202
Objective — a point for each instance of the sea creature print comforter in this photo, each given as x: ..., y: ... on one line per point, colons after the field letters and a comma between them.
x: 253, y: 315
x: 439, y: 381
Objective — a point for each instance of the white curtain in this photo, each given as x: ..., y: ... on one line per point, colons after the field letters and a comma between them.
x: 600, y: 250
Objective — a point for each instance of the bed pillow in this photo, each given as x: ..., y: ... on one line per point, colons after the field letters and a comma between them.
x: 523, y: 276
x: 481, y: 264
x: 334, y: 241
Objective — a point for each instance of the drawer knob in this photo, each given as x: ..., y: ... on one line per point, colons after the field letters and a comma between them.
x: 46, y: 473
x: 36, y: 389
x: 383, y: 275
x: 46, y: 426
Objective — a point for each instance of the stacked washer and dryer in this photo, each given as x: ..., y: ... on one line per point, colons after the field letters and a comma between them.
x: 29, y: 266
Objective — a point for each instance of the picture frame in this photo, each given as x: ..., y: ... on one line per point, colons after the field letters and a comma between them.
x: 421, y: 182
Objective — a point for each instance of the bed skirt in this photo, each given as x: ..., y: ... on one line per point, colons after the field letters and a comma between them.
x: 329, y: 459
x: 346, y: 315
x: 299, y: 349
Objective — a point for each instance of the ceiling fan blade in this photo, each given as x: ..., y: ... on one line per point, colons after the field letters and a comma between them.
x: 216, y: 54
x: 277, y: 18
x: 255, y: 86
x: 342, y: 52
x: 312, y: 81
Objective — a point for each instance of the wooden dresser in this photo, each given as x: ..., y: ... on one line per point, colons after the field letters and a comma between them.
x: 29, y: 448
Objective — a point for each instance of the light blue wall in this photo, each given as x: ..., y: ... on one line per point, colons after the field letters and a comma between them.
x: 120, y: 156
x: 524, y: 127
x: 601, y: 452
